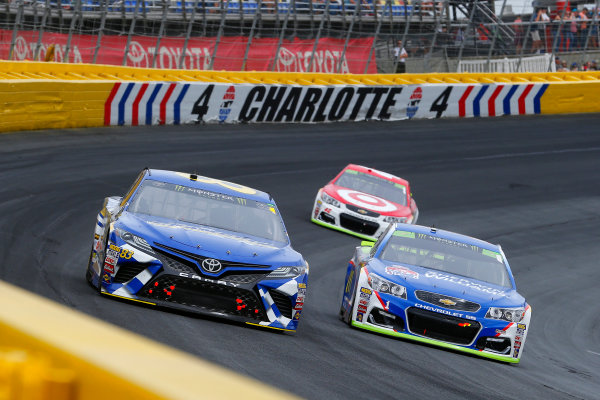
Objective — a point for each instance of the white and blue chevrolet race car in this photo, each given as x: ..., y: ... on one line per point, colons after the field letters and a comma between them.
x: 437, y: 287
x: 199, y: 244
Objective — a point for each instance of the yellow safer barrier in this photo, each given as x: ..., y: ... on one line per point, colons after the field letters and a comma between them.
x: 37, y: 95
x: 49, y: 352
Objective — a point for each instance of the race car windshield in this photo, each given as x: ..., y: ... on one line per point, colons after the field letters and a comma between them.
x: 446, y: 255
x: 202, y: 207
x: 374, y: 185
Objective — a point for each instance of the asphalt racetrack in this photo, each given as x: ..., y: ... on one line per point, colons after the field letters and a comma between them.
x: 531, y: 184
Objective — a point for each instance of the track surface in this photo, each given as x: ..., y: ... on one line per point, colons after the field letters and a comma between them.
x: 530, y: 184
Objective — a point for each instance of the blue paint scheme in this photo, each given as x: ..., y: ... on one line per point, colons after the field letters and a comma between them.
x: 181, y: 238
x: 490, y: 296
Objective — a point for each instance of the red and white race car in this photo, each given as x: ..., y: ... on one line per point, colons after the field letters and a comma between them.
x: 363, y: 201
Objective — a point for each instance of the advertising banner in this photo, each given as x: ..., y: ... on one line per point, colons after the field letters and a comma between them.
x: 292, y: 56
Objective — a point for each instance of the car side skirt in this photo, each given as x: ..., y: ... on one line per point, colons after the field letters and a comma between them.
x: 338, y: 228
x: 497, y: 357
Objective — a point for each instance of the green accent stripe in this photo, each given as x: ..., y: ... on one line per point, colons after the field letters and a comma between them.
x: 489, y: 253
x: 337, y: 228
x: 405, y: 234
x: 351, y: 171
x: 497, y: 357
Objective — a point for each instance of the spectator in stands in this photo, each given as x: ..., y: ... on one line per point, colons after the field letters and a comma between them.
x: 400, y: 55
x: 583, y: 26
x: 574, y: 67
x: 572, y: 34
x: 563, y: 67
x: 594, y: 30
x: 535, y: 29
x: 519, y: 34
x: 594, y: 65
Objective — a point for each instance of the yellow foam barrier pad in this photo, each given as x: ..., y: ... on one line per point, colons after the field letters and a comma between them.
x: 51, y: 352
x: 64, y: 71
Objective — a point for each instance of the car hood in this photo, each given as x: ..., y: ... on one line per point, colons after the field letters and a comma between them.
x: 419, y: 278
x: 208, y: 241
x: 367, y: 201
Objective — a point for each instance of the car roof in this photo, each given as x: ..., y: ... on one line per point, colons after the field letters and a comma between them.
x: 448, y: 235
x: 380, y: 174
x: 210, y: 184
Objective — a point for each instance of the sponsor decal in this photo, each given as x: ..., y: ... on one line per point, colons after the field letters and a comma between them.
x: 203, y: 279
x: 107, y: 278
x: 443, y: 311
x: 110, y: 260
x: 302, y: 285
x: 363, y: 302
x: 522, y: 326
x: 413, y: 104
x: 500, y: 332
x: 327, y: 210
x: 362, y: 309
x: 401, y: 271
x: 516, y: 352
x: 464, y: 324
x: 366, y: 290
x: 520, y: 331
x: 302, y: 292
x: 225, y: 108
x: 518, y: 338
x: 299, y: 305
x: 359, y: 317
x: 464, y: 282
x: 367, y: 201
x: 297, y: 315
x: 108, y: 268
x: 365, y: 296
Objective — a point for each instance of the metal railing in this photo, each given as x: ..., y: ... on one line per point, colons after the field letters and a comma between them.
x: 338, y: 36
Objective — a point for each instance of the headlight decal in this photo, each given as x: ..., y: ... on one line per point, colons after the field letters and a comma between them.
x: 330, y: 200
x: 506, y: 314
x: 383, y: 285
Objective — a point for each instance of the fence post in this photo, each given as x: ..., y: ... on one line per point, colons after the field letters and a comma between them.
x: 131, y: 30
x: 462, y: 45
x: 161, y: 31
x: 489, y: 58
x: 104, y: 10
x: 407, y: 18
x: 249, y: 42
x: 339, y: 66
x: 221, y: 26
x: 312, y: 56
x: 38, y: 45
x: 18, y: 20
x: 74, y: 18
x: 282, y: 34
x: 188, y: 34
x: 377, y: 30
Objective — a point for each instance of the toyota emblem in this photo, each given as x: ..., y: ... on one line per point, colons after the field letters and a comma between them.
x: 211, y: 265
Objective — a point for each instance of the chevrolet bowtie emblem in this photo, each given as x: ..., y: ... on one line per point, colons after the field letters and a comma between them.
x: 447, y: 302
x: 361, y: 211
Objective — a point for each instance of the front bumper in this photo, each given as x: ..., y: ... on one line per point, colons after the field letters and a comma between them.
x: 345, y: 220
x: 416, y: 320
x: 164, y: 281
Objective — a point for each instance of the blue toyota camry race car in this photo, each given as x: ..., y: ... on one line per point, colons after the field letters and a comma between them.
x: 199, y: 244
x: 437, y: 287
